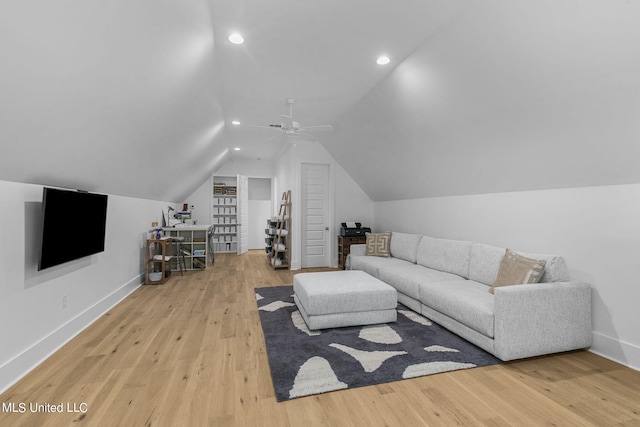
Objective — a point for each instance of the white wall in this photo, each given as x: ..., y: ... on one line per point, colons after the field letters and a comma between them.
x: 252, y: 168
x: 596, y: 229
x: 35, y: 324
x: 283, y: 175
x: 202, y: 201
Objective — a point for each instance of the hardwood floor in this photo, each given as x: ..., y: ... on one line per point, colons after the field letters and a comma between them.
x: 191, y: 353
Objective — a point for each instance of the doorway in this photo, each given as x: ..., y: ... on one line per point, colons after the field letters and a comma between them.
x: 315, y: 216
x: 260, y: 209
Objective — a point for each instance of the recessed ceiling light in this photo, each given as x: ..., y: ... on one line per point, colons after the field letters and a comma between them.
x: 236, y: 38
x: 383, y: 60
x: 237, y: 149
x: 235, y: 122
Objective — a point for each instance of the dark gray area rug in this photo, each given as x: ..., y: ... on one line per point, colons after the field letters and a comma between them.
x: 305, y: 362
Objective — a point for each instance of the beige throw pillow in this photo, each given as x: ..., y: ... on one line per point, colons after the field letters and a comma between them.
x: 518, y: 270
x: 379, y: 244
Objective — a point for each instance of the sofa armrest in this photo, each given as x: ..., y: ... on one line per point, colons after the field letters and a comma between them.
x: 355, y: 250
x: 358, y: 250
x: 541, y: 318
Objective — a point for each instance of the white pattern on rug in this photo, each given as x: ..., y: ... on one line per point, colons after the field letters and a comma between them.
x: 298, y: 322
x: 433, y: 368
x: 380, y: 334
x: 276, y: 305
x: 370, y: 360
x: 259, y: 297
x: 440, y: 348
x: 315, y: 376
x: 412, y: 315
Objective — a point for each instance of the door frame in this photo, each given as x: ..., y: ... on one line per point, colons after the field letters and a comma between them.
x: 331, y: 240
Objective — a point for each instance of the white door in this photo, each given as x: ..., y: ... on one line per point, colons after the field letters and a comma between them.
x: 243, y: 214
x: 315, y: 215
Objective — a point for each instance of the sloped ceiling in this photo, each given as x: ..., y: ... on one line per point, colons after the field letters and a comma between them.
x: 136, y: 98
x: 508, y: 96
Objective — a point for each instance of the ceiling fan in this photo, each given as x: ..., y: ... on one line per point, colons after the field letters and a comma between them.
x: 290, y: 127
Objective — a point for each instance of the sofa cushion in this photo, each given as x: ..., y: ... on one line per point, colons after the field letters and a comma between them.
x: 485, y: 260
x: 405, y: 246
x: 371, y: 264
x: 407, y: 278
x: 451, y: 256
x: 466, y: 301
x: 484, y: 263
x: 518, y: 270
x: 555, y: 269
x: 379, y: 244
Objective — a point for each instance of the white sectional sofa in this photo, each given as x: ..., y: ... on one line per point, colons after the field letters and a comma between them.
x: 448, y: 281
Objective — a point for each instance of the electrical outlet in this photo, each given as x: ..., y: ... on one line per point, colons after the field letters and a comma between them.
x: 64, y: 301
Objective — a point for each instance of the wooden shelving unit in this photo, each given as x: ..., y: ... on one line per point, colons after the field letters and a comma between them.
x: 158, y: 261
x: 225, y: 214
x: 194, y: 246
x: 279, y: 235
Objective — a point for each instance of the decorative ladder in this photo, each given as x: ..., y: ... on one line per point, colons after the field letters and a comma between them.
x: 284, y: 239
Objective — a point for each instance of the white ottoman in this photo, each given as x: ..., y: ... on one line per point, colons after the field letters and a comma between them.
x: 343, y: 298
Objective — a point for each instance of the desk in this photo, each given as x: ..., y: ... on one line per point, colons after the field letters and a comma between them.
x: 194, y: 246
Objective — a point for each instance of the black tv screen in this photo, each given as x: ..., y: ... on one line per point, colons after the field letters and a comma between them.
x: 74, y: 226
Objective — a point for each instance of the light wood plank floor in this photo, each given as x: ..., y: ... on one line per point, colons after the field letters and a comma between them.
x: 191, y: 353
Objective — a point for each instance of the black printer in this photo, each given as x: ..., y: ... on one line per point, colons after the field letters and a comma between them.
x: 353, y: 229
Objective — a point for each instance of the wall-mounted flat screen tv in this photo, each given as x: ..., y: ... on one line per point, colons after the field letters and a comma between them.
x: 74, y: 226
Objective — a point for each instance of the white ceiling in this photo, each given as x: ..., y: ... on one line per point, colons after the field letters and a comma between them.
x: 136, y: 98
x: 507, y: 96
x: 322, y: 54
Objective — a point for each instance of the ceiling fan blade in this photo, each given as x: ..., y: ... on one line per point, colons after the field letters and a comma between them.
x: 261, y: 127
x: 318, y: 128
x: 278, y: 135
x: 307, y: 136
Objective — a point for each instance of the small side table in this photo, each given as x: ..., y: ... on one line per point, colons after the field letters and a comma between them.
x: 344, y: 247
x: 158, y: 261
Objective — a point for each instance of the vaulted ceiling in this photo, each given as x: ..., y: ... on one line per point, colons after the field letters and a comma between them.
x: 137, y: 98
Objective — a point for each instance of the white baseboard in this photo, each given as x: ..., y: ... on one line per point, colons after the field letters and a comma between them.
x: 619, y: 351
x: 15, y: 369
